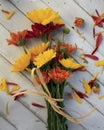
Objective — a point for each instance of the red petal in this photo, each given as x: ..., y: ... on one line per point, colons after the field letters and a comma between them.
x: 38, y: 105
x: 91, y: 56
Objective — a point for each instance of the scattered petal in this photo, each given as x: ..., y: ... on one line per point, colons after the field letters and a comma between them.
x: 86, y: 87
x: 91, y: 56
x: 101, y: 97
x: 78, y: 99
x: 14, y: 88
x: 3, y: 85
x: 38, y: 105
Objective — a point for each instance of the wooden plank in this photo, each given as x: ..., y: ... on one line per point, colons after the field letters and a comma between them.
x: 91, y: 5
x: 77, y: 106
x: 4, y: 125
x: 19, y: 116
x: 71, y: 11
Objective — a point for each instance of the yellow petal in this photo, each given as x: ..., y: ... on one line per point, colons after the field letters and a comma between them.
x: 78, y: 99
x: 44, y: 16
x: 21, y: 63
x: 10, y: 15
x: 3, y: 85
x: 95, y: 76
x: 44, y: 57
x: 87, y: 87
x: 70, y: 63
x: 99, y: 63
x: 14, y: 88
x: 36, y: 50
x: 101, y: 97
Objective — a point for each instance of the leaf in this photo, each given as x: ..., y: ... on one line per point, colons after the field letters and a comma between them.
x: 86, y: 87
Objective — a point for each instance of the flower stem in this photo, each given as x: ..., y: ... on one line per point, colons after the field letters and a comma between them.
x: 56, y: 121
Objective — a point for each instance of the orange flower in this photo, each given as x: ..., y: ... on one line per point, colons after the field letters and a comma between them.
x: 58, y: 74
x: 78, y: 22
x: 17, y: 39
x: 45, y: 77
x: 68, y: 48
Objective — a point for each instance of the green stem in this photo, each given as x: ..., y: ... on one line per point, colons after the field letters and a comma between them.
x: 56, y: 121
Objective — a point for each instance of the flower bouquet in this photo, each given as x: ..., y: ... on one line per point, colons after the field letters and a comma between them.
x: 50, y: 63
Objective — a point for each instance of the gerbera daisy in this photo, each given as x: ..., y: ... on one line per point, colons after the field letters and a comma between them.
x: 44, y: 16
x: 44, y: 57
x: 17, y: 39
x: 70, y: 63
x: 36, y: 50
x: 59, y: 75
x: 21, y: 63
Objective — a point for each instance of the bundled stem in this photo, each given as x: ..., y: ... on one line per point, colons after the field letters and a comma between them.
x: 56, y: 121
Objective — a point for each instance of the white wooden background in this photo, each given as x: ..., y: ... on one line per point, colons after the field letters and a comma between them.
x: 23, y: 116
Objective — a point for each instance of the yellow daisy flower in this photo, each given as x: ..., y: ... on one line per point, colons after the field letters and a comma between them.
x: 21, y: 63
x: 44, y: 16
x: 36, y: 50
x: 3, y: 85
x: 70, y: 63
x: 44, y: 57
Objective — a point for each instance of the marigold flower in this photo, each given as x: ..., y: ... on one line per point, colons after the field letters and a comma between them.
x: 59, y: 75
x: 78, y: 22
x: 45, y: 77
x: 17, y: 39
x: 44, y: 57
x: 70, y: 63
x: 44, y: 16
x: 21, y: 63
x: 3, y: 85
x: 36, y: 50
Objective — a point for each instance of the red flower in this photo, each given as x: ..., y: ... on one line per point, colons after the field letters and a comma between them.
x: 58, y: 74
x: 39, y: 30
